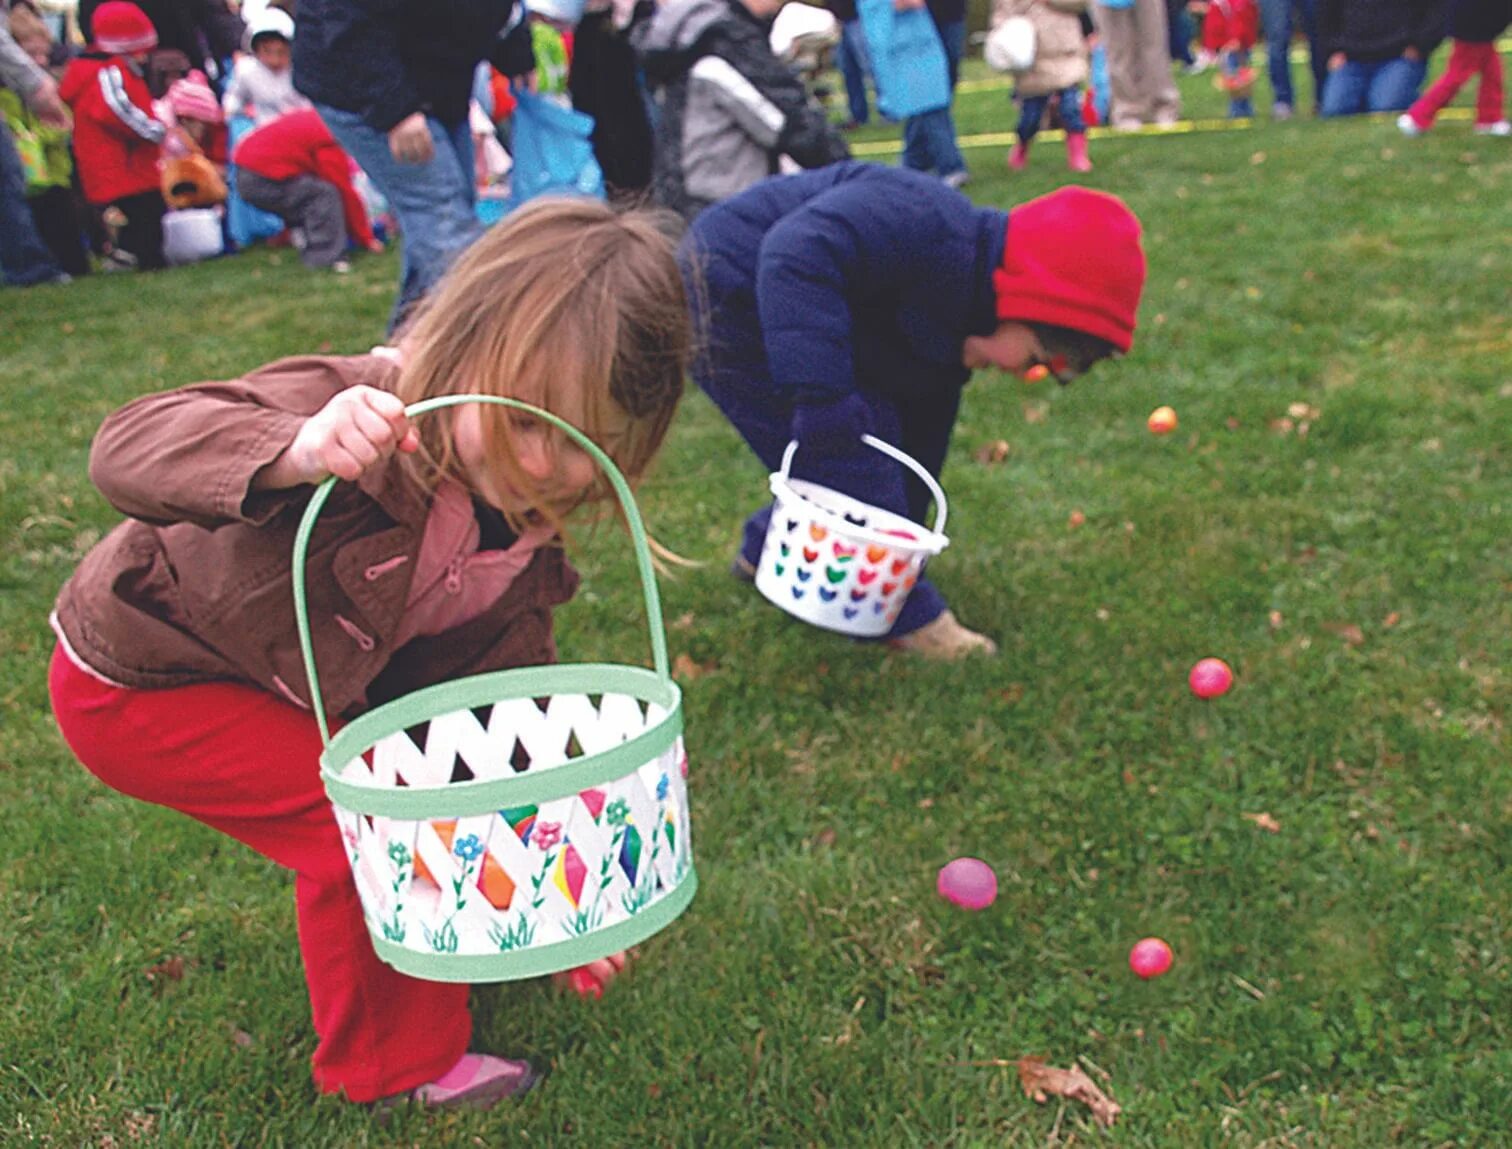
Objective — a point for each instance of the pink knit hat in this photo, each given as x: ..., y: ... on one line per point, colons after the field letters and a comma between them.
x: 191, y: 99
x: 121, y: 29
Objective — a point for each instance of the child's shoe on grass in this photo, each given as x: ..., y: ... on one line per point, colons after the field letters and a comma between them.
x: 1408, y: 126
x: 742, y: 568
x: 944, y: 640
x: 1018, y: 158
x: 1499, y: 128
x: 1076, y: 152
x: 477, y: 1081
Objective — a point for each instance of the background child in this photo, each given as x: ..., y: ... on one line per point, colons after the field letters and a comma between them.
x: 117, y: 139
x: 860, y: 298
x: 1475, y: 26
x: 293, y: 166
x: 1229, y: 31
x: 1060, y: 69
x: 179, y: 685
x: 262, y: 82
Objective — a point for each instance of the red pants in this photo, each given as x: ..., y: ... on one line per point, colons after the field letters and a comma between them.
x: 1465, y: 61
x: 245, y: 762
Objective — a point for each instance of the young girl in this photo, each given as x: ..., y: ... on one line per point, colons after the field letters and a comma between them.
x: 1474, y: 28
x: 1059, y: 70
x: 177, y: 677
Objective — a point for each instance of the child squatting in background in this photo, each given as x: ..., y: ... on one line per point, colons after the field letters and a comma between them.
x: 1059, y: 70
x: 1474, y: 26
x: 117, y: 139
x: 177, y: 678
x: 1229, y: 31
x: 858, y: 299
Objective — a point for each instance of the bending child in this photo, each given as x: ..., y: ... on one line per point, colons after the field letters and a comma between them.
x: 858, y: 299
x: 177, y: 677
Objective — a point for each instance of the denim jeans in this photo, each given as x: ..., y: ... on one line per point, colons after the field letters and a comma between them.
x: 854, y: 63
x: 1276, y: 15
x: 1373, y: 86
x: 433, y: 201
x: 1232, y: 63
x: 24, y: 258
x: 1032, y: 110
x: 929, y: 141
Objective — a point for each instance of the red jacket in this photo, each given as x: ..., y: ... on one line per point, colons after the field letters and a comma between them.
x: 115, y: 137
x: 299, y: 144
x: 1228, y: 21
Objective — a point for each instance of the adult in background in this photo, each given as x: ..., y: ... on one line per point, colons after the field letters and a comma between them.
x: 929, y: 140
x: 1276, y: 24
x: 392, y: 83
x: 727, y: 108
x: 1377, y: 52
x: 25, y: 259
x: 1137, y: 38
x: 853, y: 58
x: 207, y: 32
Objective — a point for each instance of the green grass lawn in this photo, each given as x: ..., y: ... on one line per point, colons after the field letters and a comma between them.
x: 1343, y: 980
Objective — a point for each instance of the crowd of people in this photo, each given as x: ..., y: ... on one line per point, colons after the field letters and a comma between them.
x: 116, y: 113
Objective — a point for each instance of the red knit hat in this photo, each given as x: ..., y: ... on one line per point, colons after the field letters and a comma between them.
x: 1073, y: 259
x: 121, y: 28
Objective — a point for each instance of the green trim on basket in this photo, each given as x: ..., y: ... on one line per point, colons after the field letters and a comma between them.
x: 536, y: 961
x: 464, y: 799
x: 633, y: 521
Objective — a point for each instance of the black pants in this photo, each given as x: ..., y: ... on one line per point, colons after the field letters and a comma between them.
x: 142, y: 234
x: 58, y: 223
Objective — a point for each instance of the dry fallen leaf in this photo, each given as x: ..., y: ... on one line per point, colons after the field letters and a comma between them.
x: 1264, y: 821
x: 1348, y: 631
x: 1041, y: 1082
x: 1282, y: 426
x: 1276, y: 620
x: 994, y: 452
x: 685, y: 668
x: 1257, y: 159
x: 170, y: 969
x: 1035, y: 413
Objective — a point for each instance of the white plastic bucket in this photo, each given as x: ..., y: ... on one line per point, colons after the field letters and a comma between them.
x: 839, y: 563
x: 192, y: 234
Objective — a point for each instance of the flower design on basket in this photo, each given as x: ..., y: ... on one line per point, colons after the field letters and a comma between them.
x: 547, y: 834
x: 618, y: 812
x: 469, y: 849
x: 663, y: 787
x: 399, y: 854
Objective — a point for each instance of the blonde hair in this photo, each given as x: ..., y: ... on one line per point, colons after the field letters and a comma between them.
x: 567, y: 305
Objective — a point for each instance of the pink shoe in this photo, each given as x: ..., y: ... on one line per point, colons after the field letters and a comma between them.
x: 478, y: 1081
x: 1076, y: 152
x: 592, y: 979
x: 1018, y: 158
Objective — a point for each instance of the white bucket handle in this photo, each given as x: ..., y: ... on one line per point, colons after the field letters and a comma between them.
x: 903, y: 457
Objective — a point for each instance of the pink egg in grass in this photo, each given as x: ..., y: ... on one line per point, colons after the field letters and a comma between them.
x: 1150, y: 957
x: 968, y: 883
x: 1210, y: 678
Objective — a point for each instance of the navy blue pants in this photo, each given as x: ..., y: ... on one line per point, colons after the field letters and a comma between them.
x: 732, y: 371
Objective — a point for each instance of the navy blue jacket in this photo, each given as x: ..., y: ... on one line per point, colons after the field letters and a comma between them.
x: 864, y: 277
x: 384, y: 59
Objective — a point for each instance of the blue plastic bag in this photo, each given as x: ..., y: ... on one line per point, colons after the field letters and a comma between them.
x: 908, y: 60
x: 245, y: 223
x: 552, y: 151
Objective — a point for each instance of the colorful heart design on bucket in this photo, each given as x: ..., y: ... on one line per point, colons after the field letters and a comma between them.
x: 818, y: 533
x: 804, y: 576
x: 784, y: 549
x: 908, y: 583
x: 834, y: 574
x: 843, y: 552
x: 876, y: 554
x: 810, y: 555
x: 779, y: 567
x: 877, y: 607
x: 899, y: 565
x: 850, y: 611
x: 887, y: 587
x: 855, y: 520
x: 826, y: 594
x: 798, y: 592
x: 792, y: 525
x: 857, y: 595
x: 866, y: 577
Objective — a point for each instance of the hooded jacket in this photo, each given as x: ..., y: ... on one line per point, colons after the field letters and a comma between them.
x: 195, y: 586
x: 1373, y: 30
x: 728, y: 107
x: 116, y: 138
x: 299, y: 144
x: 1060, y: 49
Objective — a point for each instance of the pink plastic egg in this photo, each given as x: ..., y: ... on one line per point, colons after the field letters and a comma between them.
x: 968, y: 882
x: 1210, y: 678
x: 1150, y: 957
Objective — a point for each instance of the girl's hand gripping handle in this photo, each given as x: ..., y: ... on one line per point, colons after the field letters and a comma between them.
x: 357, y: 430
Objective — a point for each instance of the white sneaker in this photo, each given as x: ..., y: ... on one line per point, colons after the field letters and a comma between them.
x: 341, y: 267
x: 1408, y: 126
x: 1281, y: 112
x: 1500, y: 128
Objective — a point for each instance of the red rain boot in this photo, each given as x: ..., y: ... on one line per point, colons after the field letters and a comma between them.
x: 1018, y: 157
x: 1076, y: 152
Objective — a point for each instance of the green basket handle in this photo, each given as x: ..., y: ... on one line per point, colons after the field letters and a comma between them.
x: 621, y: 490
